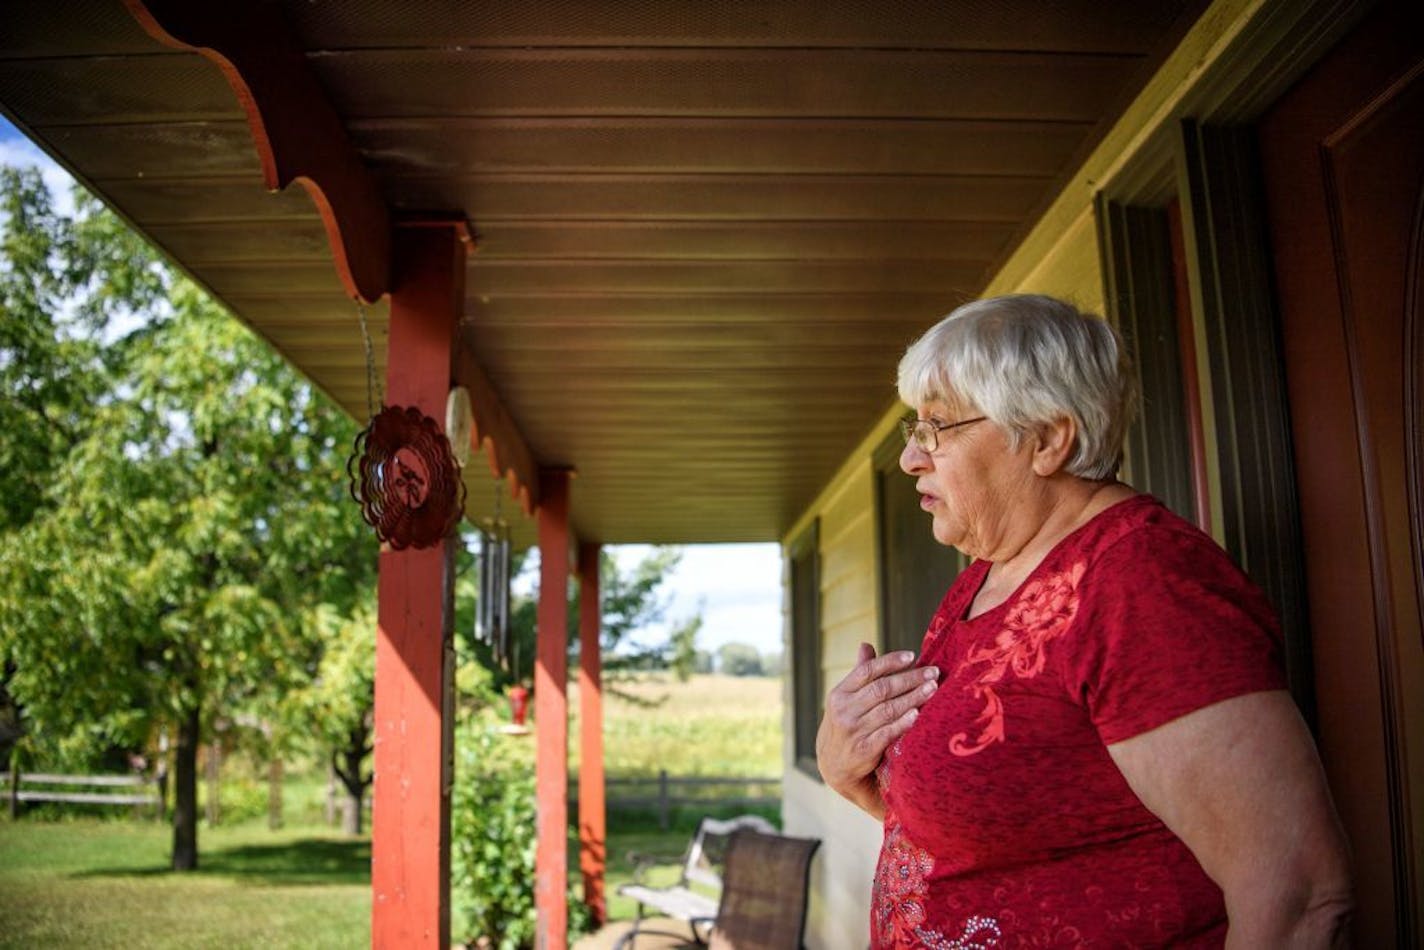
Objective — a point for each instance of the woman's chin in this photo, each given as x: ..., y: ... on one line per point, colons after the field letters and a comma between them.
x: 948, y: 535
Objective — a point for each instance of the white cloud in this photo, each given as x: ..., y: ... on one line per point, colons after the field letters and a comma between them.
x: 19, y: 152
x: 736, y: 588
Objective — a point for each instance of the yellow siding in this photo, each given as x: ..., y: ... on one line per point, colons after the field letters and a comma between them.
x: 848, y: 603
x: 841, y: 874
x: 1058, y: 257
x: 1070, y: 268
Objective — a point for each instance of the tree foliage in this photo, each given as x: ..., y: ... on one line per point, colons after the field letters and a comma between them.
x: 683, y: 657
x: 739, y: 659
x: 61, y: 281
x: 493, y: 814
x: 186, y: 515
x: 338, y: 703
x: 632, y: 599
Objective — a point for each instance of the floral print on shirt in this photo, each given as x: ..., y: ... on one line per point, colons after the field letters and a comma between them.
x: 901, y: 885
x: 1038, y: 614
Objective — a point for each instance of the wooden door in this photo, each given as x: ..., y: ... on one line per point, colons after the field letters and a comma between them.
x: 1343, y: 158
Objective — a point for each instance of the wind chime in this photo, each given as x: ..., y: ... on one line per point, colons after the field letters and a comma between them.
x: 402, y: 471
x: 492, y: 617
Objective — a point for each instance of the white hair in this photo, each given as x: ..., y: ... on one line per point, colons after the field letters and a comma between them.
x: 1025, y: 361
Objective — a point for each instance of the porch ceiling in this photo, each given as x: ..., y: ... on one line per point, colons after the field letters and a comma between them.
x: 705, y: 231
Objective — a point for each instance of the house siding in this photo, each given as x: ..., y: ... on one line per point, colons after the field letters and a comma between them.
x: 850, y: 615
x: 840, y: 882
x: 1216, y: 68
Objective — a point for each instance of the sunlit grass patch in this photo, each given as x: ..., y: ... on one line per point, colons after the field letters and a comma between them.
x: 94, y: 883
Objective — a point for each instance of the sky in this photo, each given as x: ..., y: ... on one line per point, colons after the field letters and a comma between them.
x: 735, y: 587
x: 16, y: 150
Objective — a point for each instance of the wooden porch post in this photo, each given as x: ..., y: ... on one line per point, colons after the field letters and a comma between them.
x: 551, y: 713
x: 592, y: 829
x: 410, y: 853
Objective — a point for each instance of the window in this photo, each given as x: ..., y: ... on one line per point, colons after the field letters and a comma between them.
x: 1224, y: 216
x: 804, y: 557
x: 915, y: 569
x: 1140, y: 278
x: 1184, y: 242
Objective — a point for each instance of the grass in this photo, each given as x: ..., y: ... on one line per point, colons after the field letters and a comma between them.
x: 104, y: 882
x: 640, y: 834
x: 709, y: 726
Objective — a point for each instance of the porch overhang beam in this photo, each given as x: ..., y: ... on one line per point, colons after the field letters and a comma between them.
x: 299, y: 136
x: 493, y: 429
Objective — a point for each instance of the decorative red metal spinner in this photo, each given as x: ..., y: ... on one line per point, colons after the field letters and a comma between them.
x: 405, y: 478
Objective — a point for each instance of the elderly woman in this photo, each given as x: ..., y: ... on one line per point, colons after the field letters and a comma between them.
x: 1095, y: 747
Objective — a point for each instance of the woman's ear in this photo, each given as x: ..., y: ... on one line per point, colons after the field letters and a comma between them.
x: 1054, y: 445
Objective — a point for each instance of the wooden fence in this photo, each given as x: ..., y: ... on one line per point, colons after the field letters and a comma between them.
x: 664, y: 792
x: 85, y: 789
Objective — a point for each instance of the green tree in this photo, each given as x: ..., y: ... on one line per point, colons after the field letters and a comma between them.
x: 739, y: 659
x: 57, y: 296
x: 339, y: 701
x: 630, y: 600
x: 682, y: 643
x: 178, y: 547
x: 773, y: 663
x: 704, y: 663
x: 56, y: 299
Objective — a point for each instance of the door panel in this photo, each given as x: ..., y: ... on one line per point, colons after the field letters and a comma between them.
x: 1344, y: 162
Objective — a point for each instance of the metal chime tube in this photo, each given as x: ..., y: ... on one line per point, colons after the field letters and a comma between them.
x: 492, y: 617
x: 500, y: 599
x: 483, y: 626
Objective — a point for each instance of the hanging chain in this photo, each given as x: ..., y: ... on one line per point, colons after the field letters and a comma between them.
x: 370, y: 360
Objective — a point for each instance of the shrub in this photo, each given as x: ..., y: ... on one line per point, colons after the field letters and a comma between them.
x: 241, y: 798
x: 493, y: 837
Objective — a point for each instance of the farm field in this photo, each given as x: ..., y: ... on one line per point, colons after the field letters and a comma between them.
x: 710, y: 725
x: 103, y: 882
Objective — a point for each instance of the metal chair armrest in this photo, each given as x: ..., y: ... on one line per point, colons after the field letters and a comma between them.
x: 643, y: 861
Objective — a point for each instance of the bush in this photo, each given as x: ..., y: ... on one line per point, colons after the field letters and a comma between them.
x: 493, y: 836
x: 241, y: 798
x: 739, y: 659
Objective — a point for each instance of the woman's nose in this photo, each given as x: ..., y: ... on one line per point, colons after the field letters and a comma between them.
x: 913, y: 459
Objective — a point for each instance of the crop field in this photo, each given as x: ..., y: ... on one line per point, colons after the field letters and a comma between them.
x: 709, y: 726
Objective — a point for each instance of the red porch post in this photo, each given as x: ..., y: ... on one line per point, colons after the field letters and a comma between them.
x: 410, y: 853
x: 592, y: 829
x: 551, y: 713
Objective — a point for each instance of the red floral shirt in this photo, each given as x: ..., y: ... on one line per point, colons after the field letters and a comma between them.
x: 1007, y: 823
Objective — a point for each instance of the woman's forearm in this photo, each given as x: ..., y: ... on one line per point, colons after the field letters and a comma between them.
x: 1314, y: 915
x: 867, y: 798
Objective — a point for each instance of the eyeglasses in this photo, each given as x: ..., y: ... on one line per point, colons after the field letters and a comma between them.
x: 925, y: 432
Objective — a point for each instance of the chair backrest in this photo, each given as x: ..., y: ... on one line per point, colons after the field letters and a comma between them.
x: 709, y: 847
x: 765, y: 888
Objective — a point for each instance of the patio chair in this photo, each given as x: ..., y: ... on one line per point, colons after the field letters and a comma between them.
x: 765, y: 887
x: 701, y: 866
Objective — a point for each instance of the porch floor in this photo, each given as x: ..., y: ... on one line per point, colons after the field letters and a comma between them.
x: 607, y: 938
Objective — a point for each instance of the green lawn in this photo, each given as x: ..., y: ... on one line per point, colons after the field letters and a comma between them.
x: 95, y: 883
x: 92, y: 883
